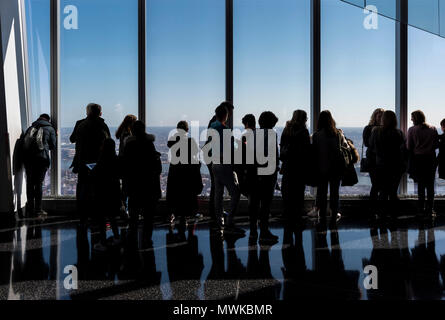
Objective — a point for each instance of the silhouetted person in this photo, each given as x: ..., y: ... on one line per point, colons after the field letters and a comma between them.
x: 142, y: 170
x: 125, y: 131
x: 376, y: 121
x: 209, y: 167
x: 247, y: 172
x: 122, y: 134
x: 326, y: 148
x: 40, y: 138
x: 73, y: 139
x: 387, y: 146
x: 89, y: 136
x: 422, y: 142
x: 295, y: 148
x: 223, y: 174
x: 106, y: 176
x: 264, y: 189
x: 441, y: 157
x: 184, y: 182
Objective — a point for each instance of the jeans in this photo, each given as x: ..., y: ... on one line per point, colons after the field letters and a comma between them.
x: 388, y: 181
x: 35, y: 175
x: 322, y: 194
x: 292, y: 189
x: 224, y: 176
x: 260, y: 199
x: 426, y: 175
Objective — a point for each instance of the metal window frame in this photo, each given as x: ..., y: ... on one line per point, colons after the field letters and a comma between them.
x: 401, y: 73
x: 55, y: 92
x: 401, y: 70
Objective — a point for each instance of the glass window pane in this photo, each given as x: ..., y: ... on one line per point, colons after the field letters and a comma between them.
x: 360, y: 3
x: 358, y: 72
x: 426, y: 86
x: 424, y: 14
x: 185, y: 68
x: 271, y: 58
x: 38, y: 43
x: 98, y: 63
x: 442, y: 17
x: 388, y: 8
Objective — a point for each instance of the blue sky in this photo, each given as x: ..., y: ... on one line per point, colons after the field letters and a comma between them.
x: 185, y: 60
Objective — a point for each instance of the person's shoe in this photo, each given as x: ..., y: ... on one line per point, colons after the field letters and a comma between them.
x: 41, y: 213
x: 100, y: 247
x: 314, y: 213
x: 266, y: 237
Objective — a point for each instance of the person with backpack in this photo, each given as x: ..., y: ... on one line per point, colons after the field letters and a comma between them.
x: 39, y: 140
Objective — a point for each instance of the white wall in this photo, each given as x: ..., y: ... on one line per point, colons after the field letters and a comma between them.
x: 13, y: 106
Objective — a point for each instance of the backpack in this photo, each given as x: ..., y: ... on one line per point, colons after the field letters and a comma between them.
x: 33, y: 141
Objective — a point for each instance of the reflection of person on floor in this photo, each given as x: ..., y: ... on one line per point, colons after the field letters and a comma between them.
x: 294, y: 263
x: 329, y: 269
x: 425, y: 274
x: 258, y: 270
x: 184, y: 264
x: 392, y: 261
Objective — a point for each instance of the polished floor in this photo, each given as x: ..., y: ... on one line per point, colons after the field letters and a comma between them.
x: 36, y: 256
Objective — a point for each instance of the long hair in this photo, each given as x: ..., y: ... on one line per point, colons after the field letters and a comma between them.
x: 327, y: 122
x: 418, y: 118
x: 389, y: 120
x: 298, y: 122
x: 126, y: 125
x: 376, y: 118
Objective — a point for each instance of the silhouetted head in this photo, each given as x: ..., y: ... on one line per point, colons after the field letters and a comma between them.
x: 327, y: 122
x: 139, y: 128
x: 126, y: 125
x: 44, y: 116
x: 389, y: 120
x: 376, y: 118
x: 418, y: 118
x: 442, y: 124
x: 222, y: 113
x: 183, y: 125
x: 249, y: 121
x: 267, y: 120
x: 299, y: 120
x: 88, y: 109
x: 95, y: 110
x: 108, y: 149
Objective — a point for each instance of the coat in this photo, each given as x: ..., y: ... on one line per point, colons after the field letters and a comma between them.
x: 184, y: 182
x: 142, y: 168
x: 49, y: 143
